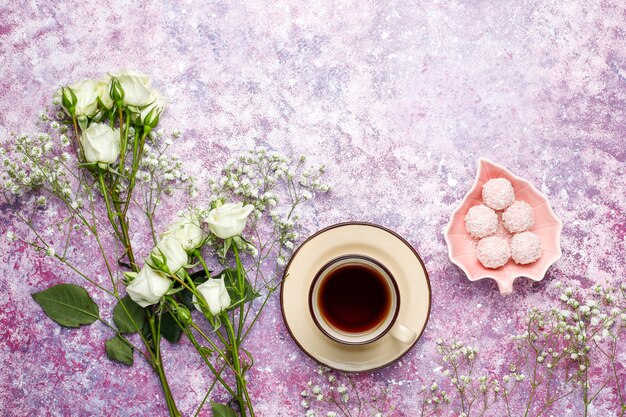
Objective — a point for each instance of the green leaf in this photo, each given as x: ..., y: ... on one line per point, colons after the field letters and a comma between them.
x: 220, y: 410
x: 118, y: 350
x: 170, y: 330
x: 68, y: 304
x: 124, y: 319
x: 232, y: 286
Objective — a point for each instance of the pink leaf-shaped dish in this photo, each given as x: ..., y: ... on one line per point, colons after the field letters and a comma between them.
x: 461, y: 246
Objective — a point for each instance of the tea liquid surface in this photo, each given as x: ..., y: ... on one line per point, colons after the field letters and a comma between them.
x: 354, y: 298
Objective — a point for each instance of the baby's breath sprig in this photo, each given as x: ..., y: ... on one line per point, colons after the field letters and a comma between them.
x: 535, y: 373
x: 42, y: 167
x: 332, y: 394
x: 564, y: 351
x: 475, y: 394
x: 591, y: 325
x: 433, y: 399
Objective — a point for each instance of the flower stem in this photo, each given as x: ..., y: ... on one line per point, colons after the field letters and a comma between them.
x: 128, y: 249
x: 235, y: 340
x: 79, y: 146
x: 240, y: 280
x: 158, y: 367
x: 137, y: 153
x: 201, y: 259
x: 123, y: 140
x: 123, y: 236
x: 243, y: 398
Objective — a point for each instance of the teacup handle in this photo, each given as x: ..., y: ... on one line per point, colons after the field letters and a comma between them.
x: 403, y: 334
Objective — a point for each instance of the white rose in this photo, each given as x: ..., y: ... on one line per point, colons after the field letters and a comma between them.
x: 170, y: 251
x: 215, y: 294
x: 136, y: 88
x: 229, y: 219
x: 187, y: 231
x: 145, y: 79
x: 148, y: 286
x: 87, y: 92
x: 101, y: 143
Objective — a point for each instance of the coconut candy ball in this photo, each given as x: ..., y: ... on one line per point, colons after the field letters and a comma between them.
x: 493, y: 251
x: 525, y: 248
x: 498, y: 193
x: 481, y: 221
x: 518, y: 217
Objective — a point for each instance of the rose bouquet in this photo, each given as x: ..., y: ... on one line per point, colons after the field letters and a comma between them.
x: 99, y: 167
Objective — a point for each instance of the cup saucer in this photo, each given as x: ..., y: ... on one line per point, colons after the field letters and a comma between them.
x: 364, y: 239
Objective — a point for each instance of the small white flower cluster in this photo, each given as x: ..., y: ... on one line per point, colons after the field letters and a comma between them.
x: 160, y: 172
x: 571, y: 337
x: 434, y: 395
x: 327, y: 392
x: 459, y: 366
x: 556, y: 342
x: 36, y: 162
x: 455, y: 351
x: 598, y: 318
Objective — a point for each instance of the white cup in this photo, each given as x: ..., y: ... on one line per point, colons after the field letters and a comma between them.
x: 330, y: 301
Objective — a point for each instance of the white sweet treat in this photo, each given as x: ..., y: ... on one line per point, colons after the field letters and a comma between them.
x: 525, y: 248
x: 502, y: 231
x: 493, y: 252
x: 518, y: 217
x: 481, y: 221
x: 498, y: 193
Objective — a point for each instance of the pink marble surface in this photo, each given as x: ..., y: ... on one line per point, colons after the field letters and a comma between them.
x: 397, y: 99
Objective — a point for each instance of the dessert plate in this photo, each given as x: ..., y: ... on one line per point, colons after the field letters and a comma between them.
x: 461, y: 246
x: 365, y: 239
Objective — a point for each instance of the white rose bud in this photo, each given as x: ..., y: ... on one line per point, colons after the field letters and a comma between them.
x: 103, y: 90
x: 215, y: 294
x: 136, y: 88
x: 87, y: 92
x: 150, y: 114
x: 169, y: 252
x: 101, y: 143
x: 228, y: 220
x: 188, y: 232
x: 148, y: 286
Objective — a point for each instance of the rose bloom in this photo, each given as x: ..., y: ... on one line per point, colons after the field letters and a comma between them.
x: 215, y: 294
x: 228, y: 220
x: 136, y: 88
x: 170, y: 251
x: 87, y: 93
x: 101, y: 143
x: 148, y: 286
x: 188, y: 231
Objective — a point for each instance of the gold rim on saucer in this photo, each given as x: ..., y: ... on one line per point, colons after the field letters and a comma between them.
x: 354, y: 238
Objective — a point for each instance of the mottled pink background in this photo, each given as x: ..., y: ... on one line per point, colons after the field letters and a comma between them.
x: 398, y: 99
